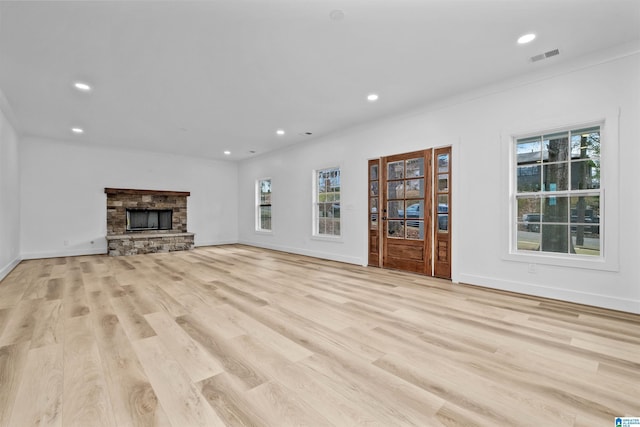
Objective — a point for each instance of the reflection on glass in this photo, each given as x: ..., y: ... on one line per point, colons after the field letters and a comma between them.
x: 556, y: 177
x: 414, y: 188
x: 529, y: 178
x: 374, y: 204
x: 443, y: 183
x: 373, y: 172
x: 395, y: 170
x: 443, y: 163
x: 395, y: 190
x: 415, y: 230
x: 415, y: 167
x: 395, y: 229
x: 395, y: 209
x: 373, y: 188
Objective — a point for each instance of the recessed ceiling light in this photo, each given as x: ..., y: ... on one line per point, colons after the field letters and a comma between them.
x: 81, y: 86
x: 280, y: 132
x: 226, y: 153
x: 77, y: 130
x: 336, y: 15
x: 526, y: 38
x: 372, y: 97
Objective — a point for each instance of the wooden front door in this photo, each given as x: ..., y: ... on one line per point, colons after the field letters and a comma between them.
x: 406, y: 206
x: 410, y: 212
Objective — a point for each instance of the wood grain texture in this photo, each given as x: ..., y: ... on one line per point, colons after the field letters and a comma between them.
x: 240, y: 336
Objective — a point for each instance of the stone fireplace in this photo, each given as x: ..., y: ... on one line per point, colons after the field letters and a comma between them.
x: 146, y: 221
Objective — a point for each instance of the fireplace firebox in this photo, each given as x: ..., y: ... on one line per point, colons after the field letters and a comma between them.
x: 148, y: 219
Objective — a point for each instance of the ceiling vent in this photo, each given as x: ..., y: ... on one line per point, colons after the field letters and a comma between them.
x: 545, y: 55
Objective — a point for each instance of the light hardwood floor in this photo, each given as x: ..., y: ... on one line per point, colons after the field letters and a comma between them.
x: 235, y: 335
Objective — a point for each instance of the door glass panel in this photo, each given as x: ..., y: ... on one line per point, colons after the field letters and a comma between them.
x: 415, y: 209
x: 415, y: 167
x: 374, y: 221
x: 373, y: 172
x: 443, y: 163
x: 374, y: 188
x: 374, y: 204
x: 415, y: 230
x: 443, y: 183
x: 395, y: 229
x: 414, y: 188
x: 395, y: 209
x: 395, y: 190
x: 395, y: 170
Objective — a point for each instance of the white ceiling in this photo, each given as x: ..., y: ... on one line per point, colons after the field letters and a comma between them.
x: 201, y: 77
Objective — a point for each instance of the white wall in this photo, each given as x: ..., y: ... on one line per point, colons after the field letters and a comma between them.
x: 9, y: 196
x: 479, y: 126
x: 64, y: 204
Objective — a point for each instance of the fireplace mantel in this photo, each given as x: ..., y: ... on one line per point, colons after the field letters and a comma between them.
x: 122, y: 241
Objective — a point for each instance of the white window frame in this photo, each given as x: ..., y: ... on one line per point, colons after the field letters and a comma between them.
x: 259, y: 204
x: 316, y: 234
x: 609, y: 194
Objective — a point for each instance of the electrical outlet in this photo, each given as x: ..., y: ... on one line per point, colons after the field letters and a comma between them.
x: 532, y: 269
x: 66, y: 243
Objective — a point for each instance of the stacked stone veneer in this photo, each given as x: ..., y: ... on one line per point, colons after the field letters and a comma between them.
x: 123, y: 242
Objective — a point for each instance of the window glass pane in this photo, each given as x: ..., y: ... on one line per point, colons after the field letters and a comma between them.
x: 555, y: 209
x: 374, y: 221
x: 373, y: 204
x: 328, y: 201
x: 373, y: 172
x: 528, y: 215
x: 529, y: 151
x: 528, y: 240
x: 395, y: 190
x: 265, y: 191
x: 395, y: 170
x: 556, y: 177
x: 443, y: 163
x: 443, y: 183
x: 585, y: 144
x: 415, y: 230
x: 443, y: 223
x: 265, y: 217
x: 373, y: 188
x: 585, y: 175
x: 414, y: 188
x: 585, y: 244
x: 529, y: 178
x: 556, y: 147
x: 415, y: 167
x: 554, y: 238
x: 395, y: 209
x: 395, y: 229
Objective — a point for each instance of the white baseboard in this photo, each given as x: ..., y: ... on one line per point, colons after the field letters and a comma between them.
x: 215, y: 243
x: 596, y: 300
x: 4, y: 271
x: 306, y: 252
x: 58, y: 254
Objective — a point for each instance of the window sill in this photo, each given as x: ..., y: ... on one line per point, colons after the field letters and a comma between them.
x: 335, y: 239
x: 574, y: 261
x: 264, y: 232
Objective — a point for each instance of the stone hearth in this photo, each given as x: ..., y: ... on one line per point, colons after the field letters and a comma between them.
x: 122, y: 241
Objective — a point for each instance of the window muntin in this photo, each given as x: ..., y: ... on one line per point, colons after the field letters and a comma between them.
x: 558, y: 194
x: 327, y: 202
x: 263, y: 218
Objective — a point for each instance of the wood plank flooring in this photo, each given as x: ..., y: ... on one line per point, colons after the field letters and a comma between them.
x: 240, y: 336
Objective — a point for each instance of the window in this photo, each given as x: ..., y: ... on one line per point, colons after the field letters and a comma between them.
x: 327, y: 202
x: 263, y: 217
x: 558, y: 194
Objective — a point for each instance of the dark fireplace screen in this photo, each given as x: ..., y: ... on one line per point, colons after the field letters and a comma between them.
x: 138, y: 220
